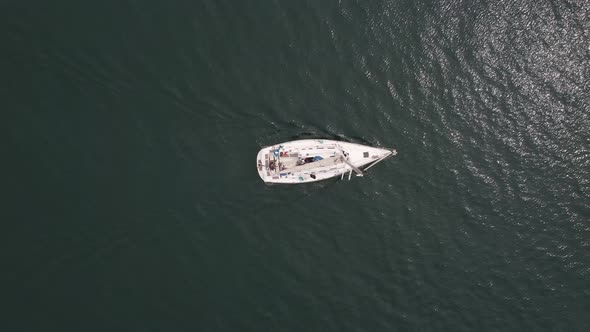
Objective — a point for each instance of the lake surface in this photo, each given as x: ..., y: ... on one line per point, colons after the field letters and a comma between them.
x: 133, y: 201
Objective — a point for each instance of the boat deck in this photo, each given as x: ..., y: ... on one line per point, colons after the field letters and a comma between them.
x: 314, y: 160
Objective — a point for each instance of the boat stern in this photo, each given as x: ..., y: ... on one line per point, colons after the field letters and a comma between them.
x: 262, y: 164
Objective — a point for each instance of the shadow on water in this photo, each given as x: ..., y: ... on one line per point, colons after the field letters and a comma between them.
x: 331, y: 136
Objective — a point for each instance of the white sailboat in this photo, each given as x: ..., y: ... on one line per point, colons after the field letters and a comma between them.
x: 311, y: 160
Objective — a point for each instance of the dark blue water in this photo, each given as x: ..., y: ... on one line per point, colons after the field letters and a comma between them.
x: 133, y: 201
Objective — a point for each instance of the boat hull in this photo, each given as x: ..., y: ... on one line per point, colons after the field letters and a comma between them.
x: 313, y: 160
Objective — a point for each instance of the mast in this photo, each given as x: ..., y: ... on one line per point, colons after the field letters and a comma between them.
x: 344, y: 156
x: 393, y: 153
x: 358, y: 171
